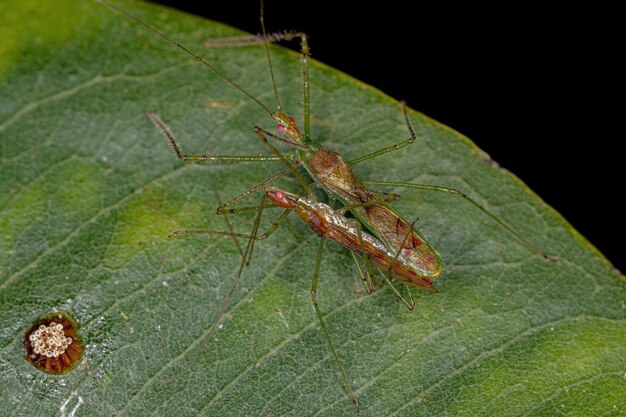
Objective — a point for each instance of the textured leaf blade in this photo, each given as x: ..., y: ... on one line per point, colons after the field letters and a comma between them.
x: 89, y: 192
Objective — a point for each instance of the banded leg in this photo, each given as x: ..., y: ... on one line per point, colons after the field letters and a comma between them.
x: 316, y: 272
x: 459, y: 193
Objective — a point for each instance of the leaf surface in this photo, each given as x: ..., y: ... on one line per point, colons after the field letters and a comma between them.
x: 89, y: 192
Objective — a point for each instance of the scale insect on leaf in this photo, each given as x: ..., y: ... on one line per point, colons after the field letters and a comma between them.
x: 376, y: 232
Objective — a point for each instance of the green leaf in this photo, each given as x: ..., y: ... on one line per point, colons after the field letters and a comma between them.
x: 89, y: 191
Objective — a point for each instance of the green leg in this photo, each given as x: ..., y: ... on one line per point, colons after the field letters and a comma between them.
x: 366, y: 261
x: 220, y: 314
x: 227, y: 221
x: 386, y: 275
x: 251, y: 40
x: 266, y: 39
x: 277, y: 156
x: 304, y: 60
x: 395, y: 147
x: 222, y: 208
x: 409, y: 304
x: 291, y: 167
x: 392, y: 197
x: 316, y: 272
x: 470, y: 200
x: 165, y: 130
x: 261, y: 133
x: 264, y: 236
x: 365, y: 277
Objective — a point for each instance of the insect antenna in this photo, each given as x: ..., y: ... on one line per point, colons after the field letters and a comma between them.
x: 194, y: 55
x: 269, y: 57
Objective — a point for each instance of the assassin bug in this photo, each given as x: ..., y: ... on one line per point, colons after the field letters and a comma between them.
x: 328, y: 170
x: 331, y: 224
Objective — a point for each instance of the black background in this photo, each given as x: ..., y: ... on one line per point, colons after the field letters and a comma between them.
x: 535, y: 88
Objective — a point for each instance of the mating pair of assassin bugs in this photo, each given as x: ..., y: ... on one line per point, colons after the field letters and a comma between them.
x: 377, y: 234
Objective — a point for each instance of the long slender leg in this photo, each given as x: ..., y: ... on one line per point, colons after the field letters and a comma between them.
x: 264, y: 236
x: 218, y: 318
x: 236, y: 210
x: 193, y: 55
x: 316, y: 272
x: 366, y: 261
x: 305, y: 71
x: 277, y: 156
x: 305, y: 53
x: 154, y: 118
x: 291, y: 167
x: 227, y: 221
x: 411, y: 303
x: 267, y: 53
x: 386, y: 274
x: 251, y: 40
x: 365, y: 277
x: 289, y: 142
x: 266, y: 39
x: 459, y: 193
x: 261, y: 133
x: 375, y: 284
x: 222, y: 209
x: 394, y: 147
x: 392, y: 197
x: 255, y: 229
x: 411, y: 300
